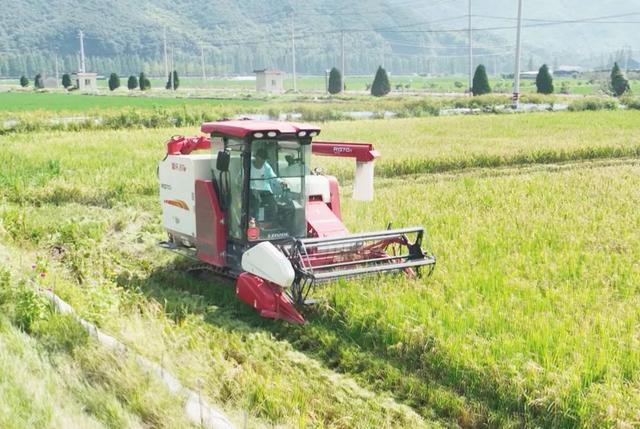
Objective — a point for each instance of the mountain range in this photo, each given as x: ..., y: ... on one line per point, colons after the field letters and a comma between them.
x: 232, y: 37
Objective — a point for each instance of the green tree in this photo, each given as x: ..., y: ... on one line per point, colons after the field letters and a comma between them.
x: 544, y: 81
x: 144, y: 82
x: 480, y: 81
x: 66, y: 81
x: 381, y: 85
x: 24, y: 82
x: 114, y: 82
x: 619, y: 83
x: 173, y: 81
x: 132, y: 83
x: 38, y: 83
x: 335, y: 81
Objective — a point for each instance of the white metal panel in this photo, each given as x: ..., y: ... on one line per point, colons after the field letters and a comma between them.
x: 363, y: 183
x: 267, y: 262
x: 177, y: 175
x: 318, y: 185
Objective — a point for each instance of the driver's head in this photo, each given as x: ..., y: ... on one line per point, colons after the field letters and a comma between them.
x: 260, y: 158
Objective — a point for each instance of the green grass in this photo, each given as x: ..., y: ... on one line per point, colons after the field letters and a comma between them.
x: 60, y: 102
x: 52, y: 376
x: 529, y: 320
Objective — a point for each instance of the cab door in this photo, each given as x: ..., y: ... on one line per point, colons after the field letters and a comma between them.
x: 237, y: 181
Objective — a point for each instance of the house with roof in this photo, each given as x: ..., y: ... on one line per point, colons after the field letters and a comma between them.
x: 269, y: 80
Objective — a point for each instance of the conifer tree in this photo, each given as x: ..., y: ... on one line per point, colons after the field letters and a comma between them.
x: 544, y: 81
x: 381, y: 85
x: 38, y: 83
x: 132, y: 83
x: 143, y: 82
x: 114, y: 82
x: 619, y: 83
x: 480, y: 82
x: 66, y: 81
x: 335, y: 80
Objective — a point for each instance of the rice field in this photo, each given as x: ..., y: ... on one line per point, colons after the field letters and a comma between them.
x: 530, y: 319
x: 70, y: 103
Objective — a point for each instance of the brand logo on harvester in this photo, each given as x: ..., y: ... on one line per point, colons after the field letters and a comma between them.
x: 178, y: 166
x: 177, y: 203
x: 341, y: 149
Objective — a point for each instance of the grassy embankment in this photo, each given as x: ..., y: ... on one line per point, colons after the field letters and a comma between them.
x: 530, y: 318
x: 28, y: 112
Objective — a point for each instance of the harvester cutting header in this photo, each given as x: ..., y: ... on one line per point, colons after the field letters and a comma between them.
x: 250, y: 208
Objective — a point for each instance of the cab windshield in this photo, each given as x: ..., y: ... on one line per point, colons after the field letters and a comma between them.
x: 276, y: 188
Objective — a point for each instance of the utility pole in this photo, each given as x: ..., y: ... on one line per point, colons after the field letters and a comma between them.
x: 470, y: 53
x: 293, y: 54
x: 82, y: 65
x: 516, y: 77
x: 166, y: 57
x: 57, y: 73
x: 204, y: 76
x: 171, y: 71
x: 326, y: 81
x: 343, y: 71
x: 626, y: 58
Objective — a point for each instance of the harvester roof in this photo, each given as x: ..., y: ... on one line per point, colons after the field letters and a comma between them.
x: 241, y: 127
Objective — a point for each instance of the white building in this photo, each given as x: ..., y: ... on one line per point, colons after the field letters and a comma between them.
x: 269, y: 80
x: 85, y: 81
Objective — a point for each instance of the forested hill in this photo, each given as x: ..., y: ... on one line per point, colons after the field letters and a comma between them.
x: 238, y: 36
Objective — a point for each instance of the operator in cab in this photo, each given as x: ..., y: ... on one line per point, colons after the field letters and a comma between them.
x: 261, y: 172
x: 274, y: 209
x: 265, y: 187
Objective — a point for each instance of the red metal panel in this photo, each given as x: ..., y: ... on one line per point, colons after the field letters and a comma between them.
x: 334, y: 190
x: 322, y: 222
x: 211, y: 235
x: 362, y: 152
x: 266, y: 298
x: 240, y: 128
x: 181, y: 145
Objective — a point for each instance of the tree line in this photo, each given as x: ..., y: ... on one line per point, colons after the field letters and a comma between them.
x: 141, y: 81
x: 618, y: 83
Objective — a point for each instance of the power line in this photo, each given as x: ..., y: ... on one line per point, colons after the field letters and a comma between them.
x: 562, y: 21
x: 475, y: 46
x: 476, y: 55
x: 540, y: 24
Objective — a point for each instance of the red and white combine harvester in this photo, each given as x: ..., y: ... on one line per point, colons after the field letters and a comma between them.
x: 250, y: 208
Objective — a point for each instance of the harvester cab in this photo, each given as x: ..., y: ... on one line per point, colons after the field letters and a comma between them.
x: 251, y: 208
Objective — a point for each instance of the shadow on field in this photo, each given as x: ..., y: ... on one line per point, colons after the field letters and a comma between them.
x: 420, y: 376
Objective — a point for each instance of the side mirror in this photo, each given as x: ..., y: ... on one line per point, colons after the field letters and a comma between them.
x: 222, y: 162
